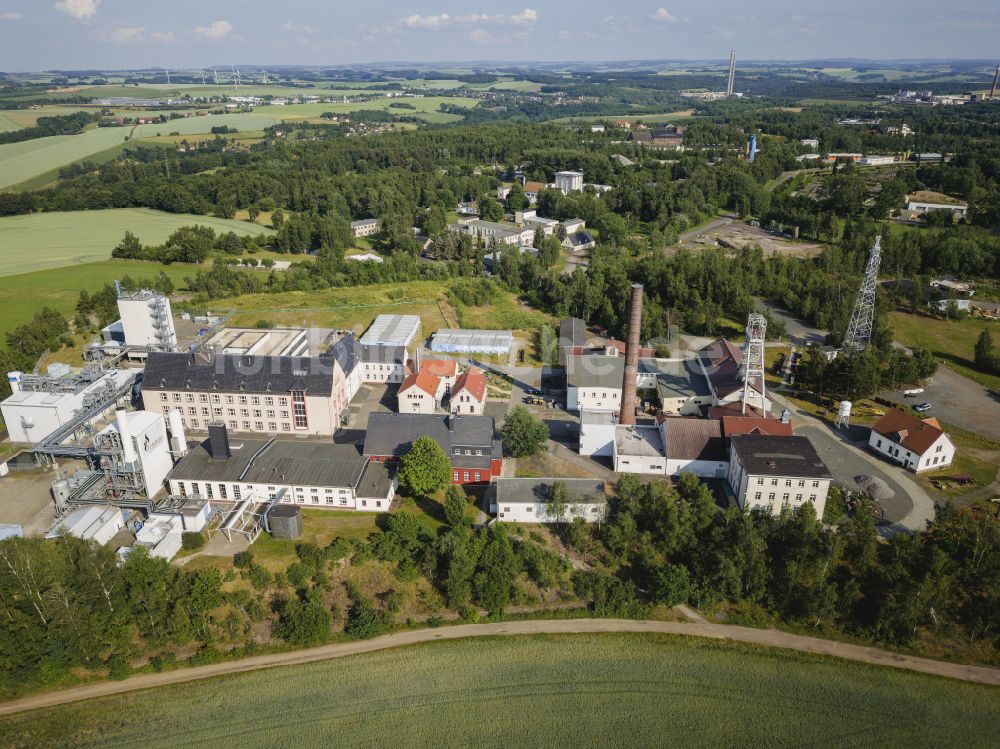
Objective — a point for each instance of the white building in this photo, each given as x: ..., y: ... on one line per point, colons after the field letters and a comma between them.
x: 531, y: 220
x: 392, y: 330
x: 916, y: 444
x: 594, y: 383
x: 98, y: 523
x: 484, y: 231
x: 877, y: 160
x: 525, y: 500
x: 639, y: 449
x: 366, y: 227
x: 268, y: 394
x: 420, y: 393
x: 924, y: 206
x: 383, y: 364
x: 810, y: 143
x: 771, y: 473
x: 162, y: 535
x: 597, y: 433
x: 39, y: 404
x: 469, y: 395
x: 310, y: 473
x: 144, y: 440
x: 568, y: 182
x: 147, y: 319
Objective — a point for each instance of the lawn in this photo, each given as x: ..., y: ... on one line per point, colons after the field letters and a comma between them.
x: 49, y: 240
x: 554, y: 691
x: 952, y: 341
x: 59, y: 288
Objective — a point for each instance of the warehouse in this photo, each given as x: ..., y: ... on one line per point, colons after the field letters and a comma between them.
x: 262, y: 342
x: 458, y: 341
x: 392, y: 330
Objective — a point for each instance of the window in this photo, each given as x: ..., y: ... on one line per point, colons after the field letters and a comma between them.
x: 195, y: 489
x: 454, y: 475
x: 231, y: 411
x: 209, y: 491
x: 506, y: 509
x: 189, y: 397
x: 259, y: 426
x: 270, y: 414
x: 878, y: 443
x: 477, y: 477
x: 246, y: 425
x: 802, y: 483
x: 757, y: 496
x: 364, y: 502
x: 798, y: 497
x: 815, y: 485
x: 236, y: 491
x: 286, y: 427
x: 232, y: 425
x: 222, y: 491
x: 181, y: 488
x: 202, y: 398
x: 465, y: 475
x: 272, y: 426
x: 788, y: 482
x: 770, y: 497
x: 243, y: 400
x: 784, y: 497
x: 215, y: 398
x: 177, y: 397
x: 244, y: 412
x: 283, y: 401
x: 204, y: 411
x: 163, y: 396
x: 939, y: 448
x: 194, y: 423
x: 284, y: 414
x: 760, y: 482
x: 812, y: 497
x: 255, y: 401
x: 256, y: 413
x: 217, y: 411
x: 192, y: 411
x: 229, y: 399
x: 530, y: 509
x: 269, y: 401
x: 299, y: 409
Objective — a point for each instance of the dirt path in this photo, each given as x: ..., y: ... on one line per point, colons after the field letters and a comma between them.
x: 766, y: 637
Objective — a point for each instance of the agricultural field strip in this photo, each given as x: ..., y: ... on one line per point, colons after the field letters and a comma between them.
x: 767, y: 638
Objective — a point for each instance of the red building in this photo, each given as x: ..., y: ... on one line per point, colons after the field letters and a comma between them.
x: 470, y: 442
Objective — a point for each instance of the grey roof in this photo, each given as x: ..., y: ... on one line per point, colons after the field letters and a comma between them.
x: 532, y: 491
x: 346, y: 352
x: 595, y: 371
x: 392, y: 435
x: 364, y: 222
x: 642, y: 441
x: 581, y: 237
x: 287, y: 461
x: 572, y: 332
x: 250, y: 374
x: 382, y: 354
x: 391, y: 330
x: 676, y: 379
x: 764, y: 455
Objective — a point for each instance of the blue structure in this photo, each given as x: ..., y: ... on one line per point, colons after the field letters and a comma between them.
x: 752, y: 148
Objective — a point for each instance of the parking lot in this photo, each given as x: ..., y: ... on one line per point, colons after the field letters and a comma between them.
x: 956, y: 400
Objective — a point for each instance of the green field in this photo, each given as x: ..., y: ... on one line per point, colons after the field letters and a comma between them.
x: 553, y: 691
x: 49, y: 240
x: 426, y: 108
x: 202, y: 125
x: 23, y: 295
x: 954, y: 342
x: 22, y: 161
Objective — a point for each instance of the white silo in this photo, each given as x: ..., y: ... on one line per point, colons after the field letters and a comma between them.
x: 178, y: 443
x: 844, y: 414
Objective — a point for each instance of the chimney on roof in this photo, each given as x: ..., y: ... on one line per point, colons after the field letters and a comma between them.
x: 786, y: 417
x: 627, y: 415
x: 218, y: 442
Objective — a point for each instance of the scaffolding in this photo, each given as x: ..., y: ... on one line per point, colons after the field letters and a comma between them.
x: 859, y: 331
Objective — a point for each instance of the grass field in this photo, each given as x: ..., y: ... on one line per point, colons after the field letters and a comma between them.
x: 426, y: 108
x: 59, y: 288
x: 351, y: 308
x: 553, y: 691
x: 50, y: 240
x: 22, y: 161
x: 953, y: 341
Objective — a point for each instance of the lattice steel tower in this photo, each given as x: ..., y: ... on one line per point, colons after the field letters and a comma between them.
x: 752, y: 366
x: 859, y: 331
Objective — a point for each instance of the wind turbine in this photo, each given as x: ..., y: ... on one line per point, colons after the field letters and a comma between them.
x: 263, y: 76
x: 168, y: 75
x: 216, y: 74
x: 235, y: 77
x: 202, y: 77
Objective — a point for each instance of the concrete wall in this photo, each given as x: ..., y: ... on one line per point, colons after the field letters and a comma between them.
x: 686, y: 406
x: 381, y: 372
x: 593, y: 399
x: 640, y: 464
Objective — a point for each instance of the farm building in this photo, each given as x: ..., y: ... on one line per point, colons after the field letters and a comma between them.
x: 458, y: 341
x: 527, y: 500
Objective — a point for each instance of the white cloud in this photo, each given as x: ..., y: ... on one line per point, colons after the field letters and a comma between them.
x: 296, y: 29
x: 214, y: 31
x: 662, y: 15
x: 81, y: 10
x: 165, y: 37
x: 442, y: 21
x: 128, y: 34
x: 13, y: 16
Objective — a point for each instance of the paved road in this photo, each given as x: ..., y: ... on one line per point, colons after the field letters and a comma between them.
x: 799, y: 332
x: 846, y: 455
x: 765, y: 637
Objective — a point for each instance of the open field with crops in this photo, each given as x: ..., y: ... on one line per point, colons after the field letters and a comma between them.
x: 22, y: 161
x: 426, y: 108
x: 49, y: 240
x: 555, y: 690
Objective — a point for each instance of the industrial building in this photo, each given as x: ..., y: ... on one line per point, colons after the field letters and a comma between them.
x: 594, y: 383
x: 420, y: 393
x: 723, y: 365
x: 459, y: 341
x: 527, y: 500
x: 302, y: 472
x: 392, y: 330
x: 773, y: 473
x: 259, y: 342
x: 695, y: 446
x: 269, y: 394
x: 98, y: 523
x: 567, y: 182
x: 916, y: 444
x: 146, y: 321
x: 681, y: 388
x: 39, y: 405
x: 470, y: 442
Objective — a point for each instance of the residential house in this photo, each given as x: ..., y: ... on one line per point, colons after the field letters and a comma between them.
x: 419, y: 393
x: 594, y: 383
x: 579, y: 241
x: 366, y: 227
x: 916, y: 444
x: 469, y: 395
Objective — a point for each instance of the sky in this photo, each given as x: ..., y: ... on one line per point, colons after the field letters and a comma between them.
x: 117, y: 34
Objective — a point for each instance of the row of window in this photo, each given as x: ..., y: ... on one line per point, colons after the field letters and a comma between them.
x: 254, y: 400
x: 246, y: 426
x: 211, y: 491
x: 788, y: 482
x: 784, y: 497
x: 478, y: 476
x: 467, y: 451
x: 257, y: 413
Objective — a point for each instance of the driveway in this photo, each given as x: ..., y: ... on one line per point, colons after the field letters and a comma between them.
x: 799, y: 332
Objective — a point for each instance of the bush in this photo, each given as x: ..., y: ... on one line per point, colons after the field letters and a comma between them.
x: 192, y: 540
x: 363, y: 621
x: 243, y: 559
x: 118, y: 667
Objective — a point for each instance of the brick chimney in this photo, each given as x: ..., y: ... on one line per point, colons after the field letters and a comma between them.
x: 627, y: 414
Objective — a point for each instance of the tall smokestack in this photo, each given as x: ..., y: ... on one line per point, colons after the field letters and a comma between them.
x: 627, y: 415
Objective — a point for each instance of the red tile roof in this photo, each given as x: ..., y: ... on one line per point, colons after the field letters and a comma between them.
x: 437, y: 367
x: 916, y: 435
x: 426, y: 382
x: 733, y: 425
x: 534, y: 186
x: 473, y: 382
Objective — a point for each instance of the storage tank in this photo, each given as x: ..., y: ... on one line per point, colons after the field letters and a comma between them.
x: 844, y: 414
x: 285, y: 522
x: 178, y: 442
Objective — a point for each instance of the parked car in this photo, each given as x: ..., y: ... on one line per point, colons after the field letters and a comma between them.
x: 532, y: 391
x: 912, y: 392
x: 922, y: 407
